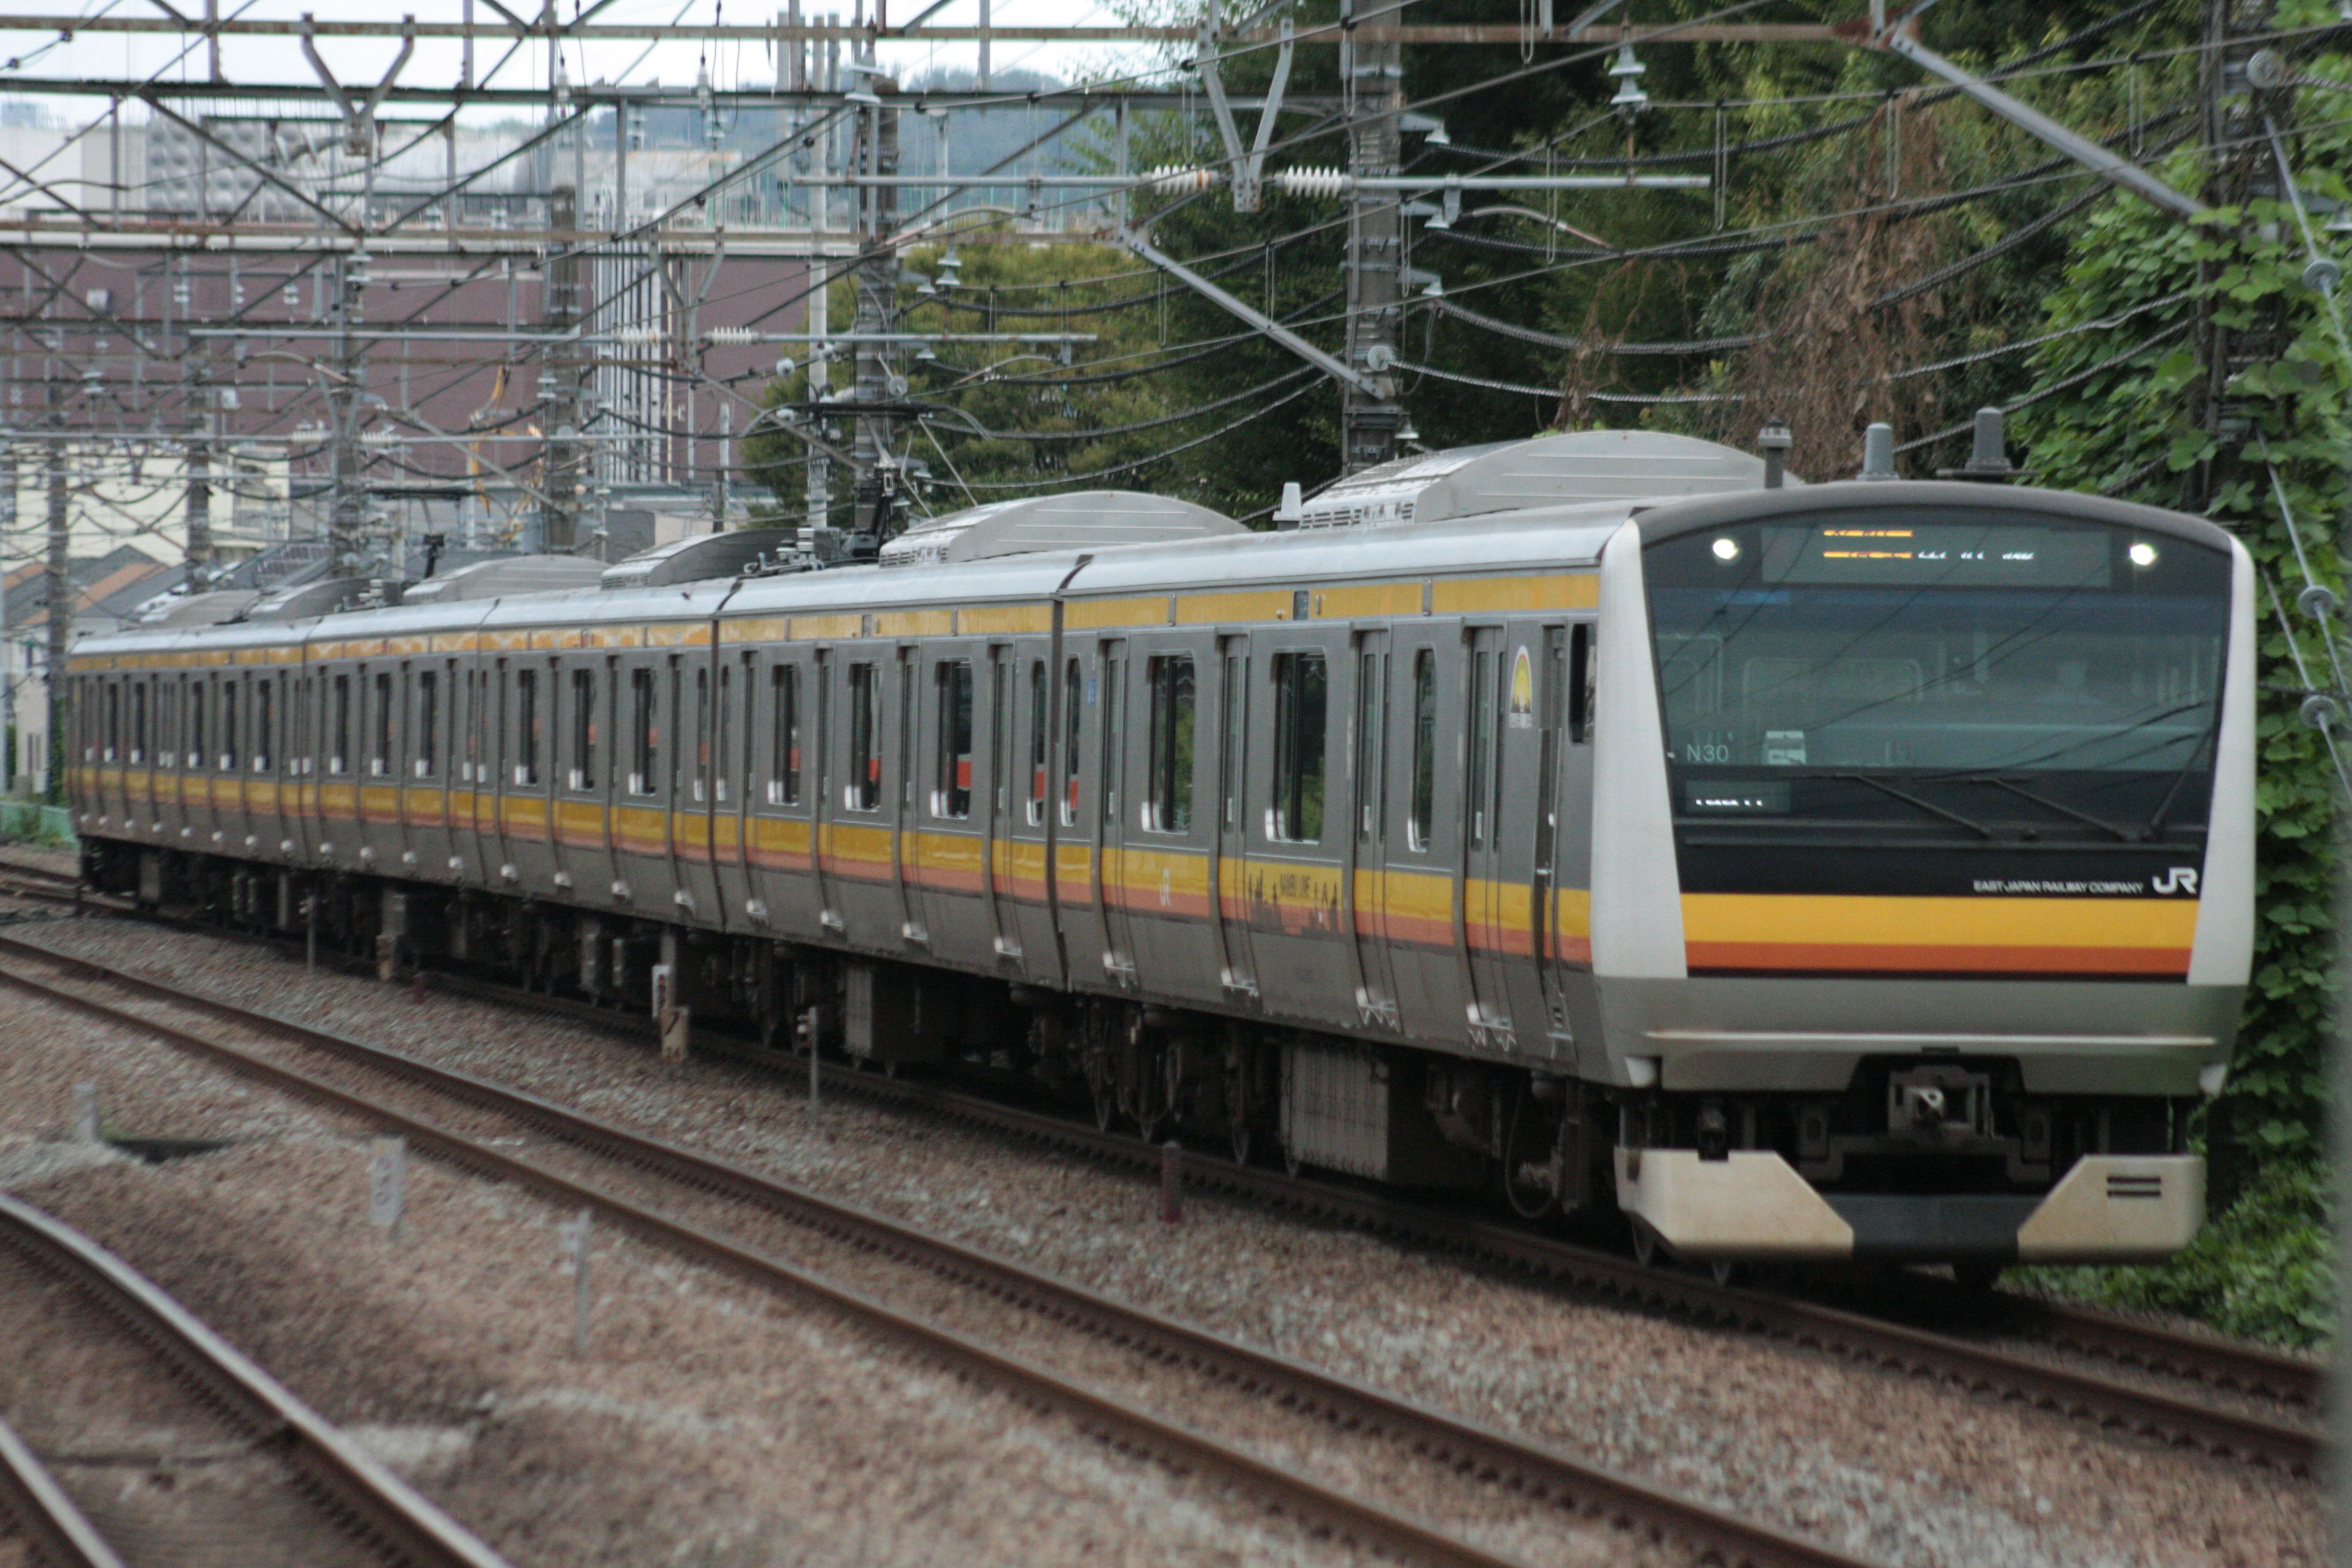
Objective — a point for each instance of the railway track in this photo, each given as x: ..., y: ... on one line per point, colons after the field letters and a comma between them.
x: 143, y: 1437
x: 1498, y: 1468
x: 1896, y: 1342
x: 2286, y: 1437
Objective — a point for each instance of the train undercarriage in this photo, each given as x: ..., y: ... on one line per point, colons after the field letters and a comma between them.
x: 1961, y: 1132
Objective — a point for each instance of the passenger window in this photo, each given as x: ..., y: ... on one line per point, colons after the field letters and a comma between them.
x: 1038, y: 721
x: 1581, y: 670
x: 1296, y: 814
x: 1072, y: 689
x: 526, y: 768
x: 864, y: 791
x: 583, y: 729
x: 1424, y: 748
x: 139, y: 721
x: 113, y: 717
x: 428, y: 723
x: 379, y: 764
x: 644, y: 732
x: 229, y: 747
x: 198, y: 736
x: 951, y: 787
x: 1168, y: 800
x: 1482, y: 740
x: 784, y: 767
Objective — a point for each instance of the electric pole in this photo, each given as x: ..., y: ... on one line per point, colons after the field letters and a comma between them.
x: 198, y: 552
x: 876, y: 275
x: 2238, y: 160
x: 1372, y: 75
x: 60, y: 595
x: 562, y: 474
x: 347, y: 519
x: 7, y: 641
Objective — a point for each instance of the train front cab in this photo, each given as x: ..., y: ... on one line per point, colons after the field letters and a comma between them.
x: 1923, y: 871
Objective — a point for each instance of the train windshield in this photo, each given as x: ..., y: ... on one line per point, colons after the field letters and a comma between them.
x: 1967, y: 667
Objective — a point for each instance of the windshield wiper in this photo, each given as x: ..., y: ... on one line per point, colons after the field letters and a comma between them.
x: 2128, y: 835
x: 1971, y: 823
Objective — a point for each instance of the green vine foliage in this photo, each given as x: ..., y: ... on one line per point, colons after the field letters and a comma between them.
x: 2124, y: 416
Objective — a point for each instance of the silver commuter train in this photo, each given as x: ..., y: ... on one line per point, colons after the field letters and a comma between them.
x: 1856, y: 871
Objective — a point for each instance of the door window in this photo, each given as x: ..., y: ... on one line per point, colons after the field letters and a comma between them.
x: 1372, y: 716
x: 645, y: 733
x: 1071, y: 731
x: 952, y: 786
x: 526, y: 768
x: 1581, y: 671
x: 1039, y: 720
x: 1482, y: 740
x: 1113, y: 749
x: 1295, y: 814
x: 380, y: 758
x: 864, y: 792
x: 583, y: 771
x: 1422, y: 821
x: 429, y: 722
x: 1168, y: 803
x: 785, y: 764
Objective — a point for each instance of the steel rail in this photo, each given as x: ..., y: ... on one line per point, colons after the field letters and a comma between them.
x: 2251, y: 1369
x: 2247, y: 1368
x: 30, y: 1498
x: 2078, y: 1394
x: 366, y: 1498
x: 1451, y: 1443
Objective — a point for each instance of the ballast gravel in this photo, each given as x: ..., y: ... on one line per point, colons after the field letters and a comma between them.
x: 708, y: 1422
x: 1880, y: 1465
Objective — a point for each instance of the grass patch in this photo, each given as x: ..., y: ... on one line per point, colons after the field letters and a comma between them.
x: 2262, y: 1271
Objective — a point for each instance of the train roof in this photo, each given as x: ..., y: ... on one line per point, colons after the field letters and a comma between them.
x: 1567, y: 533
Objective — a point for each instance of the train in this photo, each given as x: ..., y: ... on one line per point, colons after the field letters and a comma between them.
x: 1842, y: 873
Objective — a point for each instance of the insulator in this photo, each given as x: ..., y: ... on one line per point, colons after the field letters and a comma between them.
x: 1176, y: 180
x: 731, y: 334
x: 1311, y: 182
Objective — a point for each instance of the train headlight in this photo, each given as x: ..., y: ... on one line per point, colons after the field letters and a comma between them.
x: 1727, y: 550
x: 2142, y: 554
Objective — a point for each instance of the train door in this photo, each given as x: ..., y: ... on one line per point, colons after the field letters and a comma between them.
x: 696, y: 691
x: 739, y: 710
x: 822, y: 773
x: 1552, y: 685
x: 957, y: 798
x: 1229, y: 864
x: 1111, y: 876
x: 906, y: 840
x: 580, y: 766
x: 1301, y: 830
x: 1376, y: 995
x: 268, y: 748
x: 1026, y: 901
x: 1495, y: 682
x: 997, y: 803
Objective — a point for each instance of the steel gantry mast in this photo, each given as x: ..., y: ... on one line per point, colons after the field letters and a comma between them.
x: 1373, y: 77
x: 877, y: 388
x: 563, y: 479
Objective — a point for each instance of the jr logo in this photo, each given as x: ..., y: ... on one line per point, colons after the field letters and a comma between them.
x: 2178, y: 879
